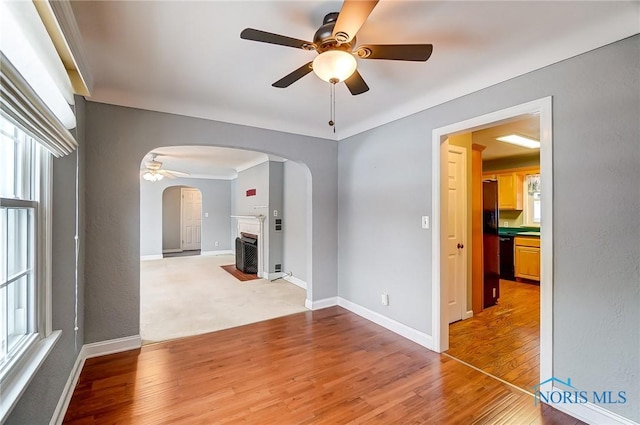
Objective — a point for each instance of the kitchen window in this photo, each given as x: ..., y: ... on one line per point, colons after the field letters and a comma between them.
x: 533, y: 201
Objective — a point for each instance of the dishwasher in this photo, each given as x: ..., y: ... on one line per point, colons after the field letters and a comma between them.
x: 507, y: 270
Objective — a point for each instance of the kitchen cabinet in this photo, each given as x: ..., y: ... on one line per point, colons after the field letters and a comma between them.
x: 510, y: 191
x: 527, y: 257
x: 510, y: 188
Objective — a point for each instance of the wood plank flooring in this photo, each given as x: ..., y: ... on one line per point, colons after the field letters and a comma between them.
x: 503, y: 340
x: 241, y: 276
x: 323, y: 367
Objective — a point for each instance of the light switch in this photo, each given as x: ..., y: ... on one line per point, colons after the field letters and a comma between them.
x: 425, y: 221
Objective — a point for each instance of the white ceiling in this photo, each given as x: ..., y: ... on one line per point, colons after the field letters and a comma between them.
x: 207, y: 161
x: 187, y: 57
x: 524, y: 125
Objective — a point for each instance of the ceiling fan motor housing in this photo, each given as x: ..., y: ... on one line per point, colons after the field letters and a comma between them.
x: 323, y: 38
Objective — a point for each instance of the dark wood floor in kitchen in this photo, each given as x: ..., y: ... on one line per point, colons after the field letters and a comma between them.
x: 503, y: 340
x: 323, y: 367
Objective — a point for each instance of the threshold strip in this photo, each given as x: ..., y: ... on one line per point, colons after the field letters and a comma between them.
x: 488, y: 374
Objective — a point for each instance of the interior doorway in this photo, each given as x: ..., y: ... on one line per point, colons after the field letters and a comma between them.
x: 200, y: 211
x: 181, y: 221
x: 441, y: 272
x: 191, y: 219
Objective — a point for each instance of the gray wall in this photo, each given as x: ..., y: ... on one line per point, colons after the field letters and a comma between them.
x: 171, y: 205
x: 216, y: 200
x: 117, y: 140
x: 37, y: 404
x: 276, y: 176
x: 385, y: 186
x: 256, y: 177
x: 295, y: 211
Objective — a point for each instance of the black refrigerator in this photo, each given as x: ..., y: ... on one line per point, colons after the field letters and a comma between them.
x: 490, y: 243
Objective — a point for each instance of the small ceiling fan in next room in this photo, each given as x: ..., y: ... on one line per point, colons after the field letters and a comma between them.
x: 335, y: 44
x: 153, y: 171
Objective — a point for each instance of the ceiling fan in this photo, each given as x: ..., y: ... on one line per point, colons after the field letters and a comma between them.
x: 335, y: 43
x: 153, y: 170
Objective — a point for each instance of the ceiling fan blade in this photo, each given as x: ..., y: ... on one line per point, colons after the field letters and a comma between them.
x: 356, y: 84
x: 397, y: 52
x: 289, y: 79
x: 351, y: 17
x: 281, y: 40
x: 172, y: 173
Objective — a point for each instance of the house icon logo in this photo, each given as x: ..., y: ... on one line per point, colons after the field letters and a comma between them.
x: 548, y: 396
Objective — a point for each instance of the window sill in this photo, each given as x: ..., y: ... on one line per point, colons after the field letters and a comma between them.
x: 13, y: 389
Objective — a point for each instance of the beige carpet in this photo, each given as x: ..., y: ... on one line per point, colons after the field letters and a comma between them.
x: 186, y: 296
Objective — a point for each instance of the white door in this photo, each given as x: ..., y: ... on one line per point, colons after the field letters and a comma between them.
x: 456, y: 258
x: 191, y: 218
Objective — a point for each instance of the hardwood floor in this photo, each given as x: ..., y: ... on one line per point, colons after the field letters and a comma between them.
x: 503, y: 340
x: 328, y: 366
x: 243, y: 277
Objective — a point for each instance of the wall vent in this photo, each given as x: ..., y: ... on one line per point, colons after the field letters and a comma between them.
x: 278, y: 268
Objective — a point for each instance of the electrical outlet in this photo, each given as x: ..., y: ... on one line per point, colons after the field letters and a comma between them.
x: 206, y: 215
x: 216, y: 243
x: 506, y: 224
x: 385, y: 299
x: 275, y: 213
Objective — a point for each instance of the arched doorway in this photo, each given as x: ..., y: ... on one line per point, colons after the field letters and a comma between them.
x: 272, y: 188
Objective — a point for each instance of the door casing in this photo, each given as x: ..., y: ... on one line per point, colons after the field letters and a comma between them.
x: 440, y: 326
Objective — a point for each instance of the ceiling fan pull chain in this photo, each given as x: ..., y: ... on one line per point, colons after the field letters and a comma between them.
x: 332, y: 103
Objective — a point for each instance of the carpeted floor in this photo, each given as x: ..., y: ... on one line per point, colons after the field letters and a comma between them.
x: 186, y: 296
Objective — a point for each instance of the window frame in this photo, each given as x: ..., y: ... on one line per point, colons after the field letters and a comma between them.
x: 26, y: 361
x: 528, y: 204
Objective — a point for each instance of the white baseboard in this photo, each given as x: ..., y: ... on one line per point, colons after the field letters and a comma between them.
x: 171, y: 251
x: 320, y: 304
x: 111, y: 346
x: 298, y: 282
x: 592, y: 413
x: 394, y: 326
x: 86, y: 352
x: 151, y: 257
x: 467, y: 315
x: 274, y: 276
x: 221, y: 252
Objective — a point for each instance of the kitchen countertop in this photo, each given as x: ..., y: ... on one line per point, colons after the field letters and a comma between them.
x: 519, y: 231
x: 531, y: 234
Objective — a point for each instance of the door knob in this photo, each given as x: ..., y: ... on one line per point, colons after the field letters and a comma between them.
x: 460, y: 246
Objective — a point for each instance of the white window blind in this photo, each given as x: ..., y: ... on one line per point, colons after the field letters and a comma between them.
x: 32, y: 94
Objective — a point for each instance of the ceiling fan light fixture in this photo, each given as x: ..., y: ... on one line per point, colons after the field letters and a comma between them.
x: 334, y: 65
x: 152, y: 176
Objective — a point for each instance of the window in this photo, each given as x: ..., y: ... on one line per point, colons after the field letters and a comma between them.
x: 35, y: 120
x: 18, y: 212
x: 533, y: 206
x: 24, y: 191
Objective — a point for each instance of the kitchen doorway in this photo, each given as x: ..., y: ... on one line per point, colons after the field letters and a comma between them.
x: 440, y: 273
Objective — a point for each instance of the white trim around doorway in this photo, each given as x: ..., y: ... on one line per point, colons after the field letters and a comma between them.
x: 440, y: 329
